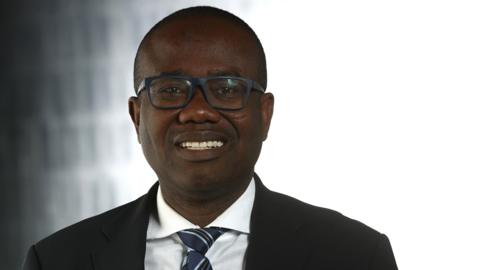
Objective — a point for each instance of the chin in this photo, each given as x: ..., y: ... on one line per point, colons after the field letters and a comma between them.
x: 205, y: 182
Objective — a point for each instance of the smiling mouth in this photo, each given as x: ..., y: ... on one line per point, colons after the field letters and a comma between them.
x: 201, y: 145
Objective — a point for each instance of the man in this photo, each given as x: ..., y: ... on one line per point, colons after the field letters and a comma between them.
x: 201, y: 114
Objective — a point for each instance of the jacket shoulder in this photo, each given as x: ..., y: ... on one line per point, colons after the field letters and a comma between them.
x: 341, y: 241
x: 73, y: 244
x: 332, y: 227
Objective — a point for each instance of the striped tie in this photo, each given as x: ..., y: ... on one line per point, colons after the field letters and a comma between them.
x: 198, y: 241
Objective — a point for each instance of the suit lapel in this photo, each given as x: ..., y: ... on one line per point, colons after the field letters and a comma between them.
x: 275, y: 233
x: 126, y: 236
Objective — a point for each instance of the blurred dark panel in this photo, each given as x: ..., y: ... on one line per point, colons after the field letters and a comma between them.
x: 65, y: 77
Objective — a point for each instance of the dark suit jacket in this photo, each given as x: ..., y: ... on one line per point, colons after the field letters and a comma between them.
x: 285, y: 234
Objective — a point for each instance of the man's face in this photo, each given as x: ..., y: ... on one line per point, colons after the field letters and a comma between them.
x: 200, y: 48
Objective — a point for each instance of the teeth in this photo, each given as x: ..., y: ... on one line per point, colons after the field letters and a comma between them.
x: 204, y: 145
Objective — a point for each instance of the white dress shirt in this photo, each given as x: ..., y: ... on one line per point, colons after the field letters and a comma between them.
x: 165, y: 250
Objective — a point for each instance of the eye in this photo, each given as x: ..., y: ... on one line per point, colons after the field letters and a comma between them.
x: 171, y: 91
x: 226, y: 90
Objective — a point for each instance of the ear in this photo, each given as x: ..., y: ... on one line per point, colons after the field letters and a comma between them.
x: 267, y: 102
x: 134, y: 106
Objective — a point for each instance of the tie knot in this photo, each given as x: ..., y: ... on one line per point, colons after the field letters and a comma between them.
x: 201, y: 239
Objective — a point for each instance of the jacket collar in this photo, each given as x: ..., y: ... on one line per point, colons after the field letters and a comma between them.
x: 275, y: 240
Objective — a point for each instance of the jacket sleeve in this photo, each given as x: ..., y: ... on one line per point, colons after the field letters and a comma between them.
x: 383, y: 258
x: 31, y: 261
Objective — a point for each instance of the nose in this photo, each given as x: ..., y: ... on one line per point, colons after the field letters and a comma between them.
x: 198, y: 110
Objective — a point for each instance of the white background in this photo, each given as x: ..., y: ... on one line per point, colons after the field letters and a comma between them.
x: 376, y: 115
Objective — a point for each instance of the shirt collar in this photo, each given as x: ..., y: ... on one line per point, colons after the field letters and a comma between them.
x: 236, y: 217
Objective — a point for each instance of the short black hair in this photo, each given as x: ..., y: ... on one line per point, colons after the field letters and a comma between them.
x: 206, y: 11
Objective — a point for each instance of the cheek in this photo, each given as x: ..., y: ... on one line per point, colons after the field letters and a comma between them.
x: 248, y: 126
x: 153, y: 133
x: 147, y: 139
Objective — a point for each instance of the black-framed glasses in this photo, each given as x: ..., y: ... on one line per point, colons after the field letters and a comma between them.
x: 221, y: 92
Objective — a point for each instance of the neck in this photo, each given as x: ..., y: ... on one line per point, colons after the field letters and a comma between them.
x: 202, y: 208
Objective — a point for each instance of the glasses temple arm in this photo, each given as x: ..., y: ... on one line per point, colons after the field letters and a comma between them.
x: 140, y: 87
x: 258, y: 87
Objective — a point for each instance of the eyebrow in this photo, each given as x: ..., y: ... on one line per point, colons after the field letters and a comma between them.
x: 223, y: 73
x: 177, y: 72
x: 180, y: 72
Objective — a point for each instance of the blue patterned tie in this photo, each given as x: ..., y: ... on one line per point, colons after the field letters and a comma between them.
x: 198, y: 241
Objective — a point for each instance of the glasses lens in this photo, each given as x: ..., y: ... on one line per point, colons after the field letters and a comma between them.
x: 226, y: 93
x: 169, y: 92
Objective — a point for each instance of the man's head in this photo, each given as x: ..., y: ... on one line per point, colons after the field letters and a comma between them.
x: 201, y: 42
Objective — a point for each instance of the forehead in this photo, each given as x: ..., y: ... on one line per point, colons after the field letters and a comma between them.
x: 198, y: 46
